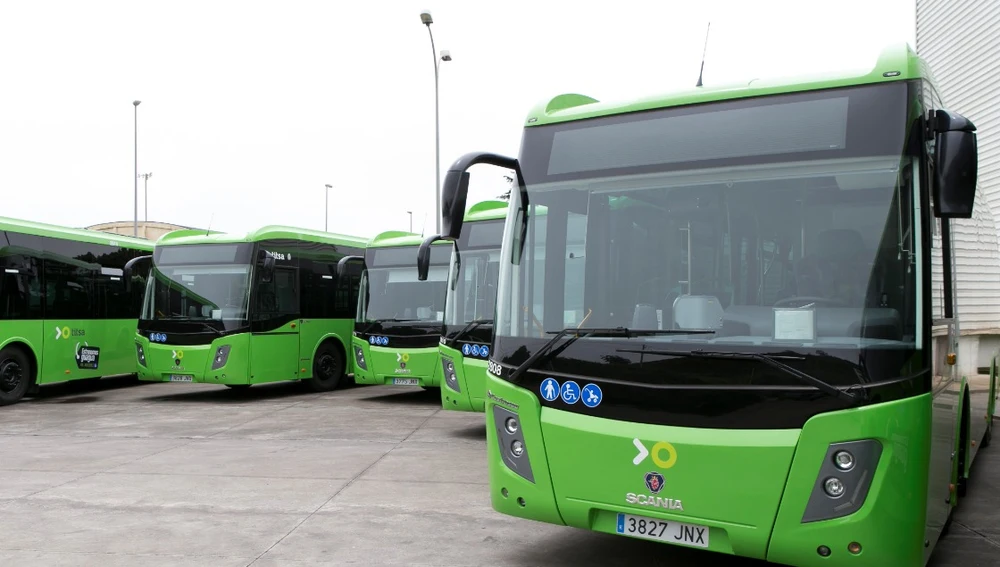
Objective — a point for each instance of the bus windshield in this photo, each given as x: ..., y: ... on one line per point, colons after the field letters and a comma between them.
x: 198, y: 287
x: 781, y: 223
x: 473, y: 274
x: 390, y: 290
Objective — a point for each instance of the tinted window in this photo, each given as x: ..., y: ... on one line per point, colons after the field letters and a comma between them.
x: 65, y: 279
x: 20, y: 287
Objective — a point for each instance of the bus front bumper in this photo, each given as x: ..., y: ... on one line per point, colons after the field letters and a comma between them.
x: 395, y: 366
x: 463, y: 381
x: 752, y: 493
x: 225, y: 361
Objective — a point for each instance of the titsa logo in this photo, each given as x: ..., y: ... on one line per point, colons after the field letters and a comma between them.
x: 66, y: 332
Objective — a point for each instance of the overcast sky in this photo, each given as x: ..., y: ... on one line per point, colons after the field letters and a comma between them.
x: 250, y: 108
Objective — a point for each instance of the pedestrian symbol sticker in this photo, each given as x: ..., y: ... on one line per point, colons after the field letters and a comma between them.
x: 592, y: 395
x: 466, y: 349
x: 550, y: 389
x: 570, y: 392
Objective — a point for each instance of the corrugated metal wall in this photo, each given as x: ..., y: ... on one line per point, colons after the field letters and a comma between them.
x: 960, y: 40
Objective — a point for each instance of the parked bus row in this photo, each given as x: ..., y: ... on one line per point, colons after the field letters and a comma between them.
x: 723, y: 318
x: 277, y: 304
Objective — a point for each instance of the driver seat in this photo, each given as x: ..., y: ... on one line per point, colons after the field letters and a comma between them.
x: 836, y: 269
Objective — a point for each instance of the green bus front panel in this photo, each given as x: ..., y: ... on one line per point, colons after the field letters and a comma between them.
x: 73, y: 350
x: 400, y: 366
x: 742, y: 492
x: 469, y: 390
x: 193, y: 363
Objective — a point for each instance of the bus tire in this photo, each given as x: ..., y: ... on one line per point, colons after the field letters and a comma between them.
x: 328, y: 369
x: 16, y: 375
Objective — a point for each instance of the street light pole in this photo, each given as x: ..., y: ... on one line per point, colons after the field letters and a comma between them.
x: 427, y: 20
x: 411, y: 220
x: 135, y: 122
x: 145, y: 193
x: 326, y: 222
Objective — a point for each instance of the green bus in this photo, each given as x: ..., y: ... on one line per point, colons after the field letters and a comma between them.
x: 276, y: 304
x: 774, y: 321
x: 399, y: 319
x: 469, y: 304
x: 67, y: 311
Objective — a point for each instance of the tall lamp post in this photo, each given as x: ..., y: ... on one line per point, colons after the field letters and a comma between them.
x: 411, y: 219
x: 326, y: 222
x: 145, y: 193
x: 135, y: 122
x: 427, y: 20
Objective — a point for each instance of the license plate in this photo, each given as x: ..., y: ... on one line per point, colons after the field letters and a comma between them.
x: 406, y: 381
x: 180, y: 378
x: 662, y: 530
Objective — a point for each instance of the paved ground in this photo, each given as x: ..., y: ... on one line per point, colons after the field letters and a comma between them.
x: 191, y: 475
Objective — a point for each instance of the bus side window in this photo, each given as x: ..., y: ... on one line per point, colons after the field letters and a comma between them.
x: 20, y: 293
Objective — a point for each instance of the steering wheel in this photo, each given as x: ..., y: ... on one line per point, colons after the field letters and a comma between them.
x: 810, y: 299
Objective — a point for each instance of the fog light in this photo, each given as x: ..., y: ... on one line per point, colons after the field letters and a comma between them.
x: 844, y: 460
x: 854, y: 547
x: 517, y: 448
x: 823, y: 550
x: 510, y: 425
x: 833, y: 487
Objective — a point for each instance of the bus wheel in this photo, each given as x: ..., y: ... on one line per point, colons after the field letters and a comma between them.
x: 328, y: 368
x: 15, y: 375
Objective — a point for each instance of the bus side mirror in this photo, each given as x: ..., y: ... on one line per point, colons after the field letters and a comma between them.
x: 424, y: 256
x: 342, y: 264
x: 956, y: 163
x: 137, y: 268
x: 267, y: 270
x: 454, y: 193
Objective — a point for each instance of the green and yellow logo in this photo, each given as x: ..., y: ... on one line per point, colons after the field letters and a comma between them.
x: 65, y: 332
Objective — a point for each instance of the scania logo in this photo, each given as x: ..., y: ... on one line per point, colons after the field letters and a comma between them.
x: 654, y: 481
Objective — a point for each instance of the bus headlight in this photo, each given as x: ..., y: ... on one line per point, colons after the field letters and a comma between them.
x: 834, y: 487
x: 450, y: 378
x: 844, y: 478
x: 140, y: 354
x: 359, y: 358
x: 513, y: 449
x: 221, y: 357
x: 844, y: 460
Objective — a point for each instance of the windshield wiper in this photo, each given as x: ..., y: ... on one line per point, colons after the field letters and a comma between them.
x: 208, y: 326
x: 386, y: 320
x: 771, y: 361
x: 592, y: 331
x: 468, y: 328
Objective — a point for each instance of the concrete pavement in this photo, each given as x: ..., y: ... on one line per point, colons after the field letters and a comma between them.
x: 194, y: 475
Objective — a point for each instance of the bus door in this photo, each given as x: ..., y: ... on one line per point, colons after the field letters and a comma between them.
x: 274, y: 342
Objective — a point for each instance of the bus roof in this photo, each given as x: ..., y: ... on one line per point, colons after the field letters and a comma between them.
x: 76, y: 234
x: 895, y: 63
x: 392, y: 238
x: 269, y: 232
x: 487, y: 210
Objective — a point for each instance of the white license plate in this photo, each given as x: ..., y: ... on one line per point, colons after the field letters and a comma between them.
x: 180, y: 378
x: 662, y: 530
x: 406, y: 381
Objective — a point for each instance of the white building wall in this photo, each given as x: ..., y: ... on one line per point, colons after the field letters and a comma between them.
x: 960, y: 40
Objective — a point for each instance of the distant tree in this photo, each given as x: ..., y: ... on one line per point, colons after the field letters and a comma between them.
x: 510, y: 183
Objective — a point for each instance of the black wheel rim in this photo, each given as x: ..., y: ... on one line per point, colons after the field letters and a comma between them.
x: 327, y: 367
x: 11, y: 375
